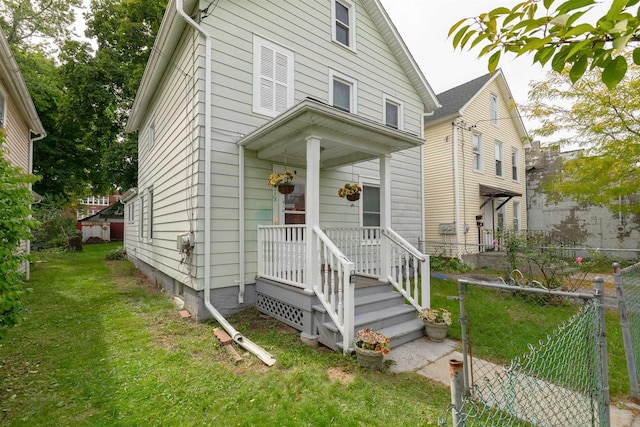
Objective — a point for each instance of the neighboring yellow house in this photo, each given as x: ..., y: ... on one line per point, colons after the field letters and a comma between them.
x: 474, y: 167
x: 18, y: 115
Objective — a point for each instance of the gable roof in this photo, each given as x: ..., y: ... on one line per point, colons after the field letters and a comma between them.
x: 456, y: 100
x: 17, y: 89
x: 173, y: 25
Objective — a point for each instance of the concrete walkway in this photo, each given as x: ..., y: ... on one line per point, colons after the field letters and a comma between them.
x: 431, y: 359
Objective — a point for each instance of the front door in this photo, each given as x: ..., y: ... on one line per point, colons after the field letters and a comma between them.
x: 289, y: 208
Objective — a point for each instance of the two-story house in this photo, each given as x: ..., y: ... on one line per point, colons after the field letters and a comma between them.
x: 232, y: 93
x: 474, y: 167
x: 18, y: 117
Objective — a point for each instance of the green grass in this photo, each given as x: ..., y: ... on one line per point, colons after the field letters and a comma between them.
x: 501, y: 327
x: 98, y: 346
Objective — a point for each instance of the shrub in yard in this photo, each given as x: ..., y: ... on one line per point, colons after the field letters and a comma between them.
x: 448, y: 265
x: 118, y: 254
x: 55, y: 228
x: 15, y: 226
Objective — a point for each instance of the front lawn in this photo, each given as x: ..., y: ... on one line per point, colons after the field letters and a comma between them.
x: 98, y: 346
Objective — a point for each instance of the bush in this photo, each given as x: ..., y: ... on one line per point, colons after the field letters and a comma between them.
x: 15, y: 226
x: 55, y: 228
x: 448, y: 265
x: 118, y: 254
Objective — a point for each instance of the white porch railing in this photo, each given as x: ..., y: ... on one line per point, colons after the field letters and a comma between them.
x: 408, y: 267
x: 281, y: 253
x: 335, y: 289
x: 361, y: 245
x: 410, y: 271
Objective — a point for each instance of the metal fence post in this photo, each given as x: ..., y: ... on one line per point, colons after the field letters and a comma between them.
x: 626, y: 332
x: 604, y: 410
x: 456, y: 368
x: 463, y: 332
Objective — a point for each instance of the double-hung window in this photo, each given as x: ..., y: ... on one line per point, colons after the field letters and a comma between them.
x: 476, y: 148
x: 370, y: 206
x: 342, y: 92
x: 393, y: 112
x: 494, y: 109
x: 498, y: 158
x: 516, y: 216
x: 343, y: 14
x: 514, y: 164
x: 273, y: 78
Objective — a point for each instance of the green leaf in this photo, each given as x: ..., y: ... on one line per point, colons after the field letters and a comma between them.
x: 478, y: 39
x: 573, y: 5
x: 547, y: 3
x: 636, y: 56
x: 621, y: 26
x: 616, y: 8
x: 621, y: 42
x: 544, y: 55
x: 578, y: 30
x: 499, y: 11
x: 493, y: 61
x: 577, y: 47
x: 459, y: 34
x: 573, y: 18
x: 578, y: 69
x: 455, y: 26
x: 561, y: 20
x: 614, y: 72
x: 534, y: 44
x: 558, y: 61
x: 466, y: 38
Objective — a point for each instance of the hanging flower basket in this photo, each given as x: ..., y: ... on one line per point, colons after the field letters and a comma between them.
x: 286, y: 188
x: 282, y: 181
x: 350, y: 191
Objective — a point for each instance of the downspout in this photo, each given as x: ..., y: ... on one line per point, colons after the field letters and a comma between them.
x: 423, y: 224
x: 237, y: 336
x: 241, y: 244
x: 27, y: 269
x: 456, y: 189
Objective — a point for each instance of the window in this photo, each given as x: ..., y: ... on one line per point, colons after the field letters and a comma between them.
x: 342, y: 92
x: 272, y: 78
x: 3, y: 109
x: 500, y: 218
x: 514, y: 164
x: 498, y: 158
x: 152, y: 134
x: 516, y: 216
x: 370, y: 206
x: 150, y: 215
x: 393, y: 112
x: 343, y: 17
x: 476, y: 148
x: 131, y: 208
x: 494, y: 109
x: 141, y: 222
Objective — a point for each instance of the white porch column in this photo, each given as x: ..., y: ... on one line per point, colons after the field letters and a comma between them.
x: 385, y: 215
x: 312, y: 211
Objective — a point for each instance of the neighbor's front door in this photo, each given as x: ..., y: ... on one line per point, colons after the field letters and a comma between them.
x: 290, y: 208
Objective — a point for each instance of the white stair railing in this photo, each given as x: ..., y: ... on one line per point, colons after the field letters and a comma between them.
x: 409, y: 270
x: 335, y: 287
x: 281, y: 253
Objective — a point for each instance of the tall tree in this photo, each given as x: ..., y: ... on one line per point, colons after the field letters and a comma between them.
x: 560, y: 32
x: 605, y: 122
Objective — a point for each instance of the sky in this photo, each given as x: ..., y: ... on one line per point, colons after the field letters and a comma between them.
x: 424, y: 25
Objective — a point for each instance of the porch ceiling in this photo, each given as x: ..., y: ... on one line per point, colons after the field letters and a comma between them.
x: 345, y: 138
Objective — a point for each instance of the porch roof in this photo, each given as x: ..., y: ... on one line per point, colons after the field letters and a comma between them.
x: 345, y: 138
x: 494, y: 192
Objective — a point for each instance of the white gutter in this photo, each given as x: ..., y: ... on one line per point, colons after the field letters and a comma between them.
x: 237, y: 337
x: 456, y: 189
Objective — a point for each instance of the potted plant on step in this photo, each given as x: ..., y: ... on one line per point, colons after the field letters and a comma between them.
x: 351, y: 191
x: 436, y: 322
x: 371, y: 347
x: 282, y: 181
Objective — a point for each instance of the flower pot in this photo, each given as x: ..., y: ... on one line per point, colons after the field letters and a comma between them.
x: 286, y: 188
x: 369, y: 359
x: 353, y: 197
x: 436, y: 331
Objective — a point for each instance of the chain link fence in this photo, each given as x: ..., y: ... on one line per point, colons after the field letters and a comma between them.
x: 628, y: 291
x: 532, y: 356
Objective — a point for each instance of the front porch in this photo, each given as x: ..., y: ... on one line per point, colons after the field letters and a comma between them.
x: 363, y: 277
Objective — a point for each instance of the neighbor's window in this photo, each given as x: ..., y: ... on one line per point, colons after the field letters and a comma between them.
x: 342, y: 92
x: 476, y: 148
x: 131, y: 208
x: 494, y: 109
x: 150, y: 215
x: 343, y: 14
x: 498, y: 158
x: 141, y: 222
x: 370, y: 206
x: 273, y: 78
x: 500, y: 215
x: 393, y: 112
x: 514, y: 164
x: 516, y: 216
